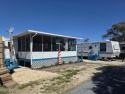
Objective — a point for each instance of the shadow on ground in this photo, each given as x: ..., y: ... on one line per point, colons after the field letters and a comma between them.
x: 110, y: 81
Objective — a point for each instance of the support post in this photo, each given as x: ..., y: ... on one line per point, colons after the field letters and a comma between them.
x: 31, y: 47
x: 59, y: 56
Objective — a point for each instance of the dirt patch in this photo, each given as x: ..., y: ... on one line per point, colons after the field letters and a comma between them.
x: 24, y: 75
x: 69, y: 76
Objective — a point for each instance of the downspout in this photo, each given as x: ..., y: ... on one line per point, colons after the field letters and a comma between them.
x: 31, y: 47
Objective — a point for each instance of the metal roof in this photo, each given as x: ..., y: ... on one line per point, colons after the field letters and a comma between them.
x: 44, y: 33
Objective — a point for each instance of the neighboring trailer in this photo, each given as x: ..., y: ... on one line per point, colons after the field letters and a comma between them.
x: 38, y: 49
x: 107, y: 49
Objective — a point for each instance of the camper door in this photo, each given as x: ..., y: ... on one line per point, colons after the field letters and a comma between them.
x: 95, y: 47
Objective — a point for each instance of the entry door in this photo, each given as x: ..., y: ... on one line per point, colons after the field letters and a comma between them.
x: 95, y: 48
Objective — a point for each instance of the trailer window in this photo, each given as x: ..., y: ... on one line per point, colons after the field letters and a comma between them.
x: 116, y: 47
x: 90, y: 47
x: 103, y: 47
x: 123, y: 48
x: 9, y: 44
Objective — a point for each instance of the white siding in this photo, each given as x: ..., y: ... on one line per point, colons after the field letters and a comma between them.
x: 40, y: 55
x: 115, y: 47
x: 6, y: 51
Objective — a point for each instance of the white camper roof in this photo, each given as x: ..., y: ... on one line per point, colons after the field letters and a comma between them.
x: 99, y: 42
x: 44, y: 33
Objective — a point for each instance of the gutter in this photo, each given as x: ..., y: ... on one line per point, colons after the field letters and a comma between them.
x: 31, y: 48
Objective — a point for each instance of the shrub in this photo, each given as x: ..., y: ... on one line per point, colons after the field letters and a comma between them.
x: 76, y: 62
x: 63, y: 62
x: 70, y: 62
x: 81, y: 60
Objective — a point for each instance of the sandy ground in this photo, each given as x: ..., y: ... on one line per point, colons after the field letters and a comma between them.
x: 88, y: 67
x: 24, y: 75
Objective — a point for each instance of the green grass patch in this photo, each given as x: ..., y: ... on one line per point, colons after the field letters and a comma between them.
x: 60, y: 82
x: 4, y: 90
x: 70, y: 73
x: 31, y: 84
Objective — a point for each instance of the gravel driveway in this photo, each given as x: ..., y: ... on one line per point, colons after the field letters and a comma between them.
x: 110, y: 82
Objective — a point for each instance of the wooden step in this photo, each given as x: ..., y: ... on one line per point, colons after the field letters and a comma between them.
x: 3, y: 71
x: 5, y: 75
x: 3, y: 68
x: 11, y: 84
x: 7, y: 81
x: 6, y: 78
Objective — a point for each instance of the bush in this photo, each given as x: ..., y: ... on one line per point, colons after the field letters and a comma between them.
x: 70, y: 62
x: 76, y: 61
x: 81, y: 60
x: 63, y: 62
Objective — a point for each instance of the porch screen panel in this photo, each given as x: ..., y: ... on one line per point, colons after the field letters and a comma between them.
x: 19, y: 43
x: 46, y: 43
x: 37, y: 43
x: 23, y: 44
x: 27, y: 42
x: 55, y: 46
x: 62, y: 44
x: 71, y: 45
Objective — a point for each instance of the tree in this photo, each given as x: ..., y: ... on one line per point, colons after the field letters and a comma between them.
x: 116, y: 32
x: 86, y: 40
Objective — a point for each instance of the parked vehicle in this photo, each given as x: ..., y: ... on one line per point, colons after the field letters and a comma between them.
x: 107, y: 49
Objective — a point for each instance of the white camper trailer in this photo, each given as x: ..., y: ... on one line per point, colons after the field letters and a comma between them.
x: 107, y: 49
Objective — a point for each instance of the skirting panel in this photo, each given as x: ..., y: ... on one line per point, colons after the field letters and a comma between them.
x: 50, y: 62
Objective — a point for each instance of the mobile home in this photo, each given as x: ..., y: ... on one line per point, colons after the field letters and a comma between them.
x: 38, y: 49
x: 107, y: 49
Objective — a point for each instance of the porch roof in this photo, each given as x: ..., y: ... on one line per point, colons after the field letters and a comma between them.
x: 44, y: 33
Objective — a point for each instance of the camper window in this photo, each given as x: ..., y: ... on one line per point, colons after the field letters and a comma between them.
x: 116, y: 47
x: 8, y: 44
x: 103, y: 47
x: 123, y: 48
x: 90, y: 47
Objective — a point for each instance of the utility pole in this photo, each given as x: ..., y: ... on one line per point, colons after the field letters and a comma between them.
x: 11, y: 44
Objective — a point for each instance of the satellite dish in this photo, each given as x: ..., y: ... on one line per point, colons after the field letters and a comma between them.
x: 11, y: 29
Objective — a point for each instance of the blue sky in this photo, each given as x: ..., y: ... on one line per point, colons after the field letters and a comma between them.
x: 78, y: 18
